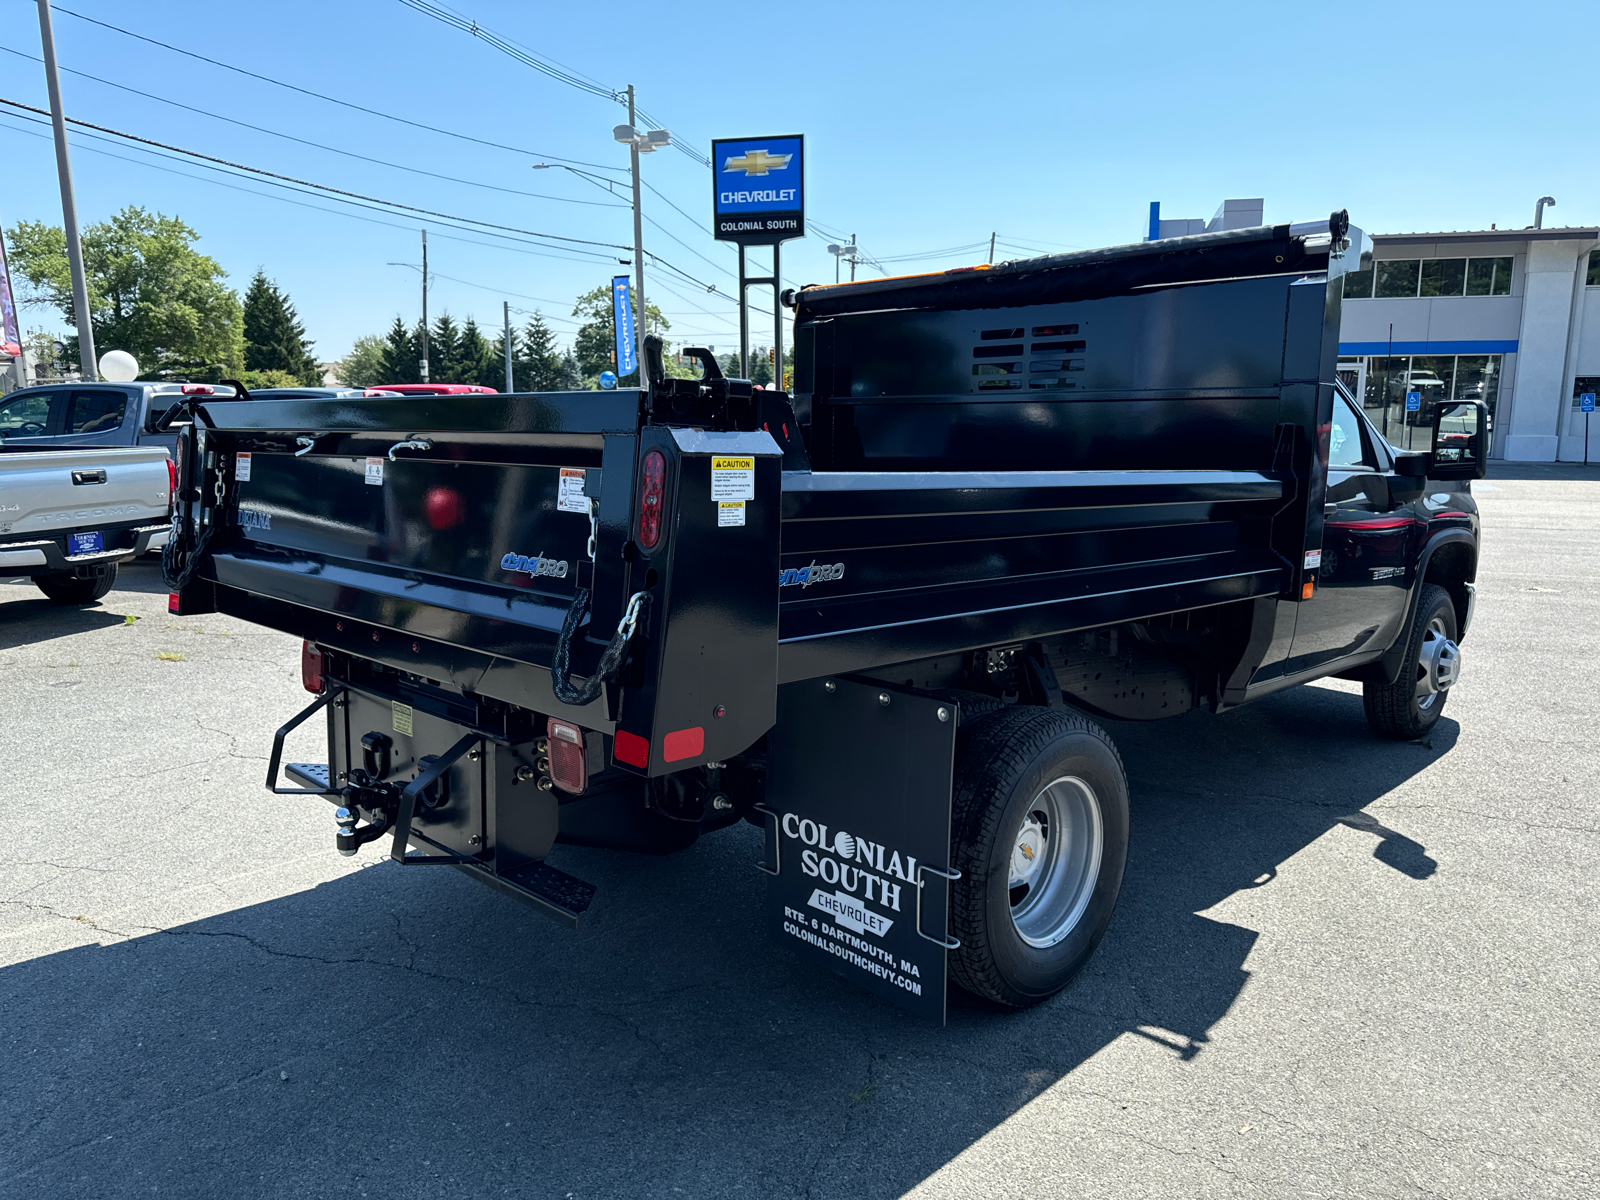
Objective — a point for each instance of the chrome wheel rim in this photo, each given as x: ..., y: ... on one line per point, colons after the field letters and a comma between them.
x: 1438, y: 665
x: 1055, y: 861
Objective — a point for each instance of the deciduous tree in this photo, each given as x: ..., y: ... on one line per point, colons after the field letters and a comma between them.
x: 151, y: 292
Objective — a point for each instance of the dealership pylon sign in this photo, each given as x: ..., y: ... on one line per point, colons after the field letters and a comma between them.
x: 758, y: 189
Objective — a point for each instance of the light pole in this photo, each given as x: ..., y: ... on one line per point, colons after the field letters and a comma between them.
x: 639, y: 142
x: 69, y: 208
x: 846, y: 251
x: 424, y: 269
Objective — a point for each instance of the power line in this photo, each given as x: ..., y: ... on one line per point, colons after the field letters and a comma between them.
x: 543, y: 63
x: 321, y: 187
x: 316, y: 145
x: 371, y: 112
x: 515, y: 245
x: 530, y: 58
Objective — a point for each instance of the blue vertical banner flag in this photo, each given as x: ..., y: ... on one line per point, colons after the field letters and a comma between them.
x: 622, y: 321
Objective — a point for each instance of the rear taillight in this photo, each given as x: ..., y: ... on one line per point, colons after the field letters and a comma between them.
x: 569, y: 768
x: 311, y: 664
x: 172, y: 487
x: 652, y: 495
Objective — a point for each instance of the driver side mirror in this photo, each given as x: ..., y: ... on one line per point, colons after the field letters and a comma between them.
x: 1460, y: 440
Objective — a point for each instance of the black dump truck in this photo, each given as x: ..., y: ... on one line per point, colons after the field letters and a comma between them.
x: 884, y: 617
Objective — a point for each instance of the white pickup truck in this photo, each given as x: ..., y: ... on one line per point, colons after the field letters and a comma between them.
x: 69, y: 516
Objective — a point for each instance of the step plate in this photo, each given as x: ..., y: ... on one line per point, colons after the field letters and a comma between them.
x: 314, y: 774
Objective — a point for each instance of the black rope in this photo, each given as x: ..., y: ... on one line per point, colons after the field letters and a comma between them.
x: 564, y: 689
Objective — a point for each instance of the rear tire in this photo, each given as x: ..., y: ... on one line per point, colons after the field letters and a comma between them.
x: 1039, y: 833
x: 1407, y: 709
x: 63, y: 587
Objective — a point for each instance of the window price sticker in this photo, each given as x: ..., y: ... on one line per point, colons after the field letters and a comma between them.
x: 733, y: 479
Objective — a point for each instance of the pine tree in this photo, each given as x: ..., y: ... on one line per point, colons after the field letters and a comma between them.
x: 475, y: 360
x: 402, y: 354
x: 444, y: 351
x: 538, y: 364
x: 274, y: 338
x: 571, y: 373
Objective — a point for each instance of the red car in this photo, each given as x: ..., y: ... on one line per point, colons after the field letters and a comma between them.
x: 440, y: 389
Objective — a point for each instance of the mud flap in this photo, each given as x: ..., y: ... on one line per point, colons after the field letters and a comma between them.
x: 858, y: 834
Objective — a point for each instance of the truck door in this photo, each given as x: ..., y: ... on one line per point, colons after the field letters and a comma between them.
x: 1363, y: 578
x: 29, y: 417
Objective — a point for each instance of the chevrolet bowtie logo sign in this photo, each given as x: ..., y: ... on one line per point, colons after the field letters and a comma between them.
x: 757, y: 162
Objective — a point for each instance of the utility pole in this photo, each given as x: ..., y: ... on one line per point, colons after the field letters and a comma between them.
x: 638, y: 248
x: 69, y: 209
x: 509, y: 386
x: 852, y: 258
x: 991, y: 248
x: 424, y: 300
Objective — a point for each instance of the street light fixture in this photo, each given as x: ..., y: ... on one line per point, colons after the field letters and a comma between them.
x: 849, y: 251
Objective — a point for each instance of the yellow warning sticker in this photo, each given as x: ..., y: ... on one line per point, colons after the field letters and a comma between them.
x: 733, y: 478
x: 402, y: 718
x: 730, y: 512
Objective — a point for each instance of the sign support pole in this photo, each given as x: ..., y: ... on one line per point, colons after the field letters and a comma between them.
x: 744, y: 318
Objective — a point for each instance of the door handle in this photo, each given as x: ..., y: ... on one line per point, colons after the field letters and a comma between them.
x: 82, y: 477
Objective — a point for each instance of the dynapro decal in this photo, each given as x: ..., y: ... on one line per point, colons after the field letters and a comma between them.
x: 857, y: 870
x: 250, y: 518
x: 806, y: 576
x: 536, y: 564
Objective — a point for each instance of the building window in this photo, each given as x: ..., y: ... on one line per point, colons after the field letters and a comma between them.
x: 1593, y: 279
x: 1428, y: 277
x: 1443, y: 276
x: 1358, y: 284
x: 1489, y: 276
x: 1438, y: 377
x: 1398, y: 277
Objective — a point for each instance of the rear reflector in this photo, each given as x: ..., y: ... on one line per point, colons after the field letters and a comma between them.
x: 1308, y: 589
x: 652, y: 493
x: 311, y: 668
x: 683, y: 743
x: 568, y: 768
x: 631, y: 749
x: 172, y: 602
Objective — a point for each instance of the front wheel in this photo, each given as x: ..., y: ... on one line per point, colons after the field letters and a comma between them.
x: 65, y: 588
x: 1410, y: 706
x: 1040, y: 836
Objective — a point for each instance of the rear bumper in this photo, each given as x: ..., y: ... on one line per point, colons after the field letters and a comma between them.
x: 49, y: 555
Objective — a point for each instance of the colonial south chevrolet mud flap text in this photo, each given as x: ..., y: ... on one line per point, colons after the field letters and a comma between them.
x: 858, y: 834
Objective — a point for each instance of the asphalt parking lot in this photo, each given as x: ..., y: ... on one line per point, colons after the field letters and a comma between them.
x: 1339, y: 968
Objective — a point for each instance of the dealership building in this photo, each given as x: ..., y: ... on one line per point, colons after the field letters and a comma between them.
x: 1507, y: 316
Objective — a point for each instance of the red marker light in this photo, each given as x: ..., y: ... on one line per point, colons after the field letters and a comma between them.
x: 311, y: 664
x: 631, y: 749
x: 172, y: 602
x: 199, y: 389
x: 444, y: 508
x: 652, y: 495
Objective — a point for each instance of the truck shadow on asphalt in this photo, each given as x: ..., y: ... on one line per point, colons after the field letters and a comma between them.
x: 26, y: 622
x: 405, y: 1032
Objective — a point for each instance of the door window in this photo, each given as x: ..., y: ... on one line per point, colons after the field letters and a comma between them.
x: 25, y: 415
x: 1345, y: 447
x: 96, y: 412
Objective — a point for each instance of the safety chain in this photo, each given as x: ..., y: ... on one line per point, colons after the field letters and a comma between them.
x: 610, y: 660
x: 178, y: 563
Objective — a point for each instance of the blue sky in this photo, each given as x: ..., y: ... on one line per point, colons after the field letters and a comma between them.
x: 928, y: 127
